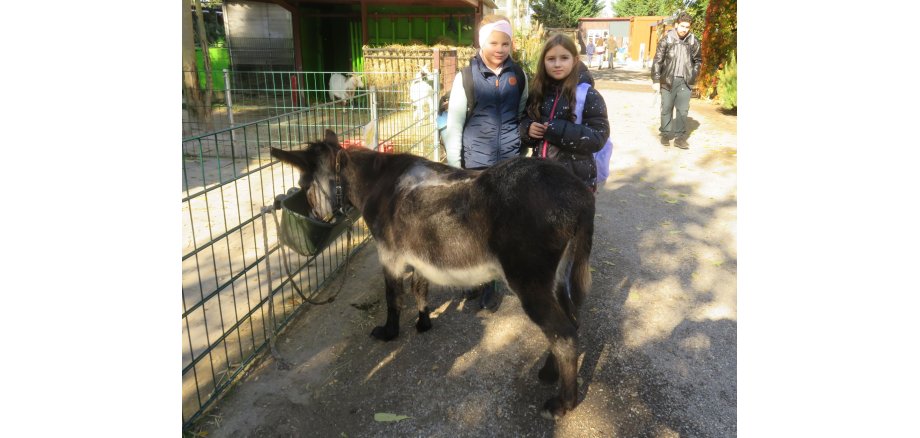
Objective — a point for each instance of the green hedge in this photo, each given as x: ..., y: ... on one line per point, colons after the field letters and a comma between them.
x: 728, y: 83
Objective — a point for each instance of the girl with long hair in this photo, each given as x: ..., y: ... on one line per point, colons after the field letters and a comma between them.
x: 548, y: 127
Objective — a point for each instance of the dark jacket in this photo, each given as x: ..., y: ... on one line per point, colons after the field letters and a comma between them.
x: 490, y: 135
x: 571, y: 144
x: 676, y: 57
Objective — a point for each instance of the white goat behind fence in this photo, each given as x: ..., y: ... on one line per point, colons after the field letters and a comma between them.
x: 342, y: 87
x: 420, y: 93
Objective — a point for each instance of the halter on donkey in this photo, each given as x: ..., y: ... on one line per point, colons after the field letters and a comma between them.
x: 526, y: 222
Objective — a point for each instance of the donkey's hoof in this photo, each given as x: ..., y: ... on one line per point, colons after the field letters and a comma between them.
x: 553, y: 409
x: 380, y: 332
x: 548, y: 374
x: 423, y: 325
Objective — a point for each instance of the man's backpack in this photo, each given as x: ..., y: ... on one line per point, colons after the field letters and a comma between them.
x: 601, y: 157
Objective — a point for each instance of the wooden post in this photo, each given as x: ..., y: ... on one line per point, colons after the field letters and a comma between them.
x: 364, y: 36
x: 298, y: 56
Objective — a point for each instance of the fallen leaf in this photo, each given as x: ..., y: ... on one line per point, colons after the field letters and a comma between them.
x: 609, y: 263
x: 384, y: 416
x: 671, y: 201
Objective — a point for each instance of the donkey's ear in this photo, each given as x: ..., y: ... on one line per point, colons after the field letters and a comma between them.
x: 331, y: 138
x: 294, y: 158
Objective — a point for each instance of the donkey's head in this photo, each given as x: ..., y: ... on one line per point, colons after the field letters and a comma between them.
x: 316, y: 164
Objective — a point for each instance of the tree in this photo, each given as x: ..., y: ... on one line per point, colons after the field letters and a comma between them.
x: 197, y: 104
x: 191, y: 91
x: 206, y: 57
x: 564, y: 13
x: 720, y: 38
x: 644, y: 8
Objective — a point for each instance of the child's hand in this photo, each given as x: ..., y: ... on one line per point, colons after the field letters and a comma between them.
x: 537, y: 130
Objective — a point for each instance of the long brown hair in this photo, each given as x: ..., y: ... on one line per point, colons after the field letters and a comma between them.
x: 542, y: 83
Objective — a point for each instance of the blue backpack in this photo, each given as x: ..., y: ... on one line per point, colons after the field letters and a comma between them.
x: 601, y: 157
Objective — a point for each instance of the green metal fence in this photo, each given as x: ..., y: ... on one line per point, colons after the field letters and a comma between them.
x: 245, y: 96
x: 236, y: 292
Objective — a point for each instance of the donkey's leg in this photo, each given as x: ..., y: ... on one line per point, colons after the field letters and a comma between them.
x: 420, y: 290
x: 563, y: 292
x: 541, y: 306
x: 390, y: 329
x: 564, y: 346
x: 570, y: 290
x: 550, y: 371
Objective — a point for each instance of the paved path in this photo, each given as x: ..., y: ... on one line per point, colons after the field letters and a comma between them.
x: 658, y: 334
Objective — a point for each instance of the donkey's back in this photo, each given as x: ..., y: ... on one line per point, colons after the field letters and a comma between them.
x: 455, y: 226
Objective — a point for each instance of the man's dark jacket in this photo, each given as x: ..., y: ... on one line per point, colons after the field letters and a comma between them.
x: 676, y: 57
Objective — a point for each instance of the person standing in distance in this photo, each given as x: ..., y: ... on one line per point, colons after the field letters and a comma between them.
x: 484, y: 132
x: 589, y: 50
x: 674, y: 71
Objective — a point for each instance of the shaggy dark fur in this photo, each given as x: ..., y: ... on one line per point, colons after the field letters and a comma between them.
x: 525, y: 221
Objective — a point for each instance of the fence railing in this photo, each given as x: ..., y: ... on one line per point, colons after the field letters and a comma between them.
x: 232, y: 302
x: 246, y: 96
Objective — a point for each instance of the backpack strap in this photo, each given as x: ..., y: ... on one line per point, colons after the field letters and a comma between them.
x: 580, y: 93
x: 467, y: 75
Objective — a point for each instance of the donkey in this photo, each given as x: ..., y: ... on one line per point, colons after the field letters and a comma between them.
x: 525, y: 221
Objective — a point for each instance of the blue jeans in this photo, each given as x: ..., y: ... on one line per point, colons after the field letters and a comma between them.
x: 678, y: 98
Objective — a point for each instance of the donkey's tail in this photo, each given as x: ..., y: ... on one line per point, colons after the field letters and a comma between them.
x: 573, y: 274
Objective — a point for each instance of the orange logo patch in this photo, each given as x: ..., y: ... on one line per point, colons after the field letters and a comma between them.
x: 512, y: 81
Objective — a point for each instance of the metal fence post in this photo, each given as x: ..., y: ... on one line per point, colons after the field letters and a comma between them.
x: 229, y: 103
x: 434, y: 114
x: 433, y: 117
x: 374, y: 119
x: 227, y: 93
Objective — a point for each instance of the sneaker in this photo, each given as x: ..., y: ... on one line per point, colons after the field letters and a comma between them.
x: 681, y: 142
x: 665, y: 140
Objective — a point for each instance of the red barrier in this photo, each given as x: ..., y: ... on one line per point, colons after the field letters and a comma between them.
x: 385, y: 147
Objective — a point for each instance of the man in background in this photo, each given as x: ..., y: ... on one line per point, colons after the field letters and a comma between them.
x: 674, y: 71
x: 589, y: 50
